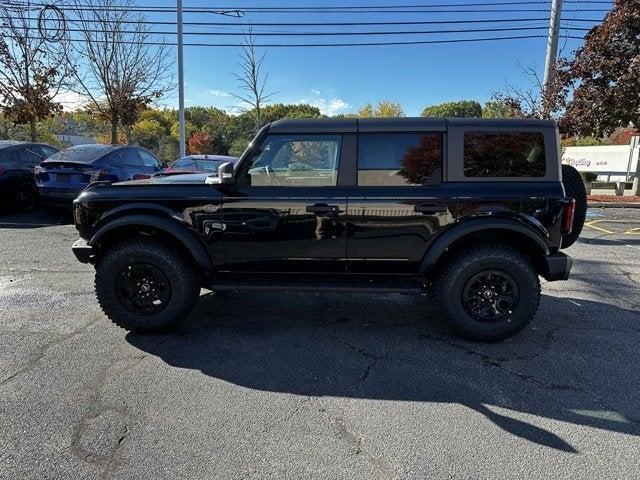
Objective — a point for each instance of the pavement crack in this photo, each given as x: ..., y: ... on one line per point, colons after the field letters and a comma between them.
x: 36, y: 357
x: 359, y: 447
x: 101, y: 421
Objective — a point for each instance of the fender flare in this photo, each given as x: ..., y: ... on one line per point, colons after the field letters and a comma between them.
x: 171, y: 227
x: 460, y: 230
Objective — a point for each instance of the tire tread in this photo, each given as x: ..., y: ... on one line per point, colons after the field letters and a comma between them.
x: 461, y: 260
x: 186, y: 274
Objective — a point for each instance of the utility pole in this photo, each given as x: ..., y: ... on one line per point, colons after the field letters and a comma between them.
x: 181, y: 120
x: 552, y: 51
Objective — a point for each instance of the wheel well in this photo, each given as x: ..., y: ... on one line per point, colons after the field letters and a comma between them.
x: 128, y: 232
x: 516, y: 240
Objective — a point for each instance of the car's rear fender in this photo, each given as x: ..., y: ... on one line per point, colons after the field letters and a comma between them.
x: 518, y: 232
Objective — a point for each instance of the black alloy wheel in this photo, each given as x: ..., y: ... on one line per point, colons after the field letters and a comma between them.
x: 143, y: 289
x: 490, y: 296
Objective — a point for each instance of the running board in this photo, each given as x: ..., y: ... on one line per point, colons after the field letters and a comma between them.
x: 332, y: 284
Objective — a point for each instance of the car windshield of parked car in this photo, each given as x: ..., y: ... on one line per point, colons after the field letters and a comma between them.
x: 197, y: 164
x: 81, y: 153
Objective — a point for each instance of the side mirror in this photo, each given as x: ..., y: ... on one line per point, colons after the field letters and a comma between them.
x: 225, y: 175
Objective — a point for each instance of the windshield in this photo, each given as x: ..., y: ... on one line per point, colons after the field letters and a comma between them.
x: 81, y: 153
x: 202, y: 165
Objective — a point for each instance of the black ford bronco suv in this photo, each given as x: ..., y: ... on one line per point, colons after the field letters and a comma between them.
x: 469, y: 211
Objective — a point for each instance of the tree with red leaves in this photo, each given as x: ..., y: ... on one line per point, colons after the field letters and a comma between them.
x: 605, y: 75
x: 201, y: 143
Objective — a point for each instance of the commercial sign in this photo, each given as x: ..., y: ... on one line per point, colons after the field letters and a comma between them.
x: 610, y: 160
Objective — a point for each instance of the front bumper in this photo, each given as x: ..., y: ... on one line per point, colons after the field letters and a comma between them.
x: 83, y: 252
x: 558, y: 265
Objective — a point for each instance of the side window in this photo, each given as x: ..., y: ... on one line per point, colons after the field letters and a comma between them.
x: 397, y: 159
x: 148, y: 160
x: 296, y: 161
x: 504, y: 154
x: 114, y: 160
x: 130, y: 158
x: 17, y: 156
x: 47, y: 151
x: 33, y: 156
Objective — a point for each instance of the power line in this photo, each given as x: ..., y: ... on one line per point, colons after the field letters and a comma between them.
x: 439, y: 5
x: 296, y: 34
x: 314, y: 45
x: 332, y: 24
x: 307, y: 10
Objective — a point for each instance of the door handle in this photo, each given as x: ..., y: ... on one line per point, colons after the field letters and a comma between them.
x: 430, y: 208
x: 323, y: 208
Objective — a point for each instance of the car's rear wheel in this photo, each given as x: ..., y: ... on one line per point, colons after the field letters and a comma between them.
x: 145, y: 285
x: 574, y: 188
x: 26, y: 199
x: 488, y: 292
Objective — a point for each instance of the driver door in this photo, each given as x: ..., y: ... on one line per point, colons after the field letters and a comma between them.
x: 287, y: 212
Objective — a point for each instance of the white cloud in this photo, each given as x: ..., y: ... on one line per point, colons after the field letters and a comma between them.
x: 327, y: 106
x: 218, y: 93
x: 70, y: 100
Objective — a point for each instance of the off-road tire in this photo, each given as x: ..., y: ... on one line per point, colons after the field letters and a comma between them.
x: 183, y: 278
x: 26, y: 199
x: 574, y: 188
x: 461, y: 268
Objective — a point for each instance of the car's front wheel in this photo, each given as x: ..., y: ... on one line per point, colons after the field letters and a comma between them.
x: 488, y: 292
x: 145, y: 285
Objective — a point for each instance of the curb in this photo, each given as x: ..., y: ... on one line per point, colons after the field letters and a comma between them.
x: 613, y: 205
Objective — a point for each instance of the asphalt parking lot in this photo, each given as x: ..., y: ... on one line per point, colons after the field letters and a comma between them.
x: 326, y: 386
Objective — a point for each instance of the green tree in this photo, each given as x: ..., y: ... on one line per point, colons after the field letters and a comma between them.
x: 278, y: 111
x: 605, y: 75
x: 147, y: 133
x: 384, y: 109
x: 461, y: 108
x: 238, y: 146
x: 499, y: 109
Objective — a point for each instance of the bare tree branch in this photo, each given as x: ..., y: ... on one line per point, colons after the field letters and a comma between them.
x: 32, y: 70
x: 121, y: 74
x: 250, y: 79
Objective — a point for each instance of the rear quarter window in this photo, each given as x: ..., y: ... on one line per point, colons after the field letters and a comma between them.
x: 399, y: 159
x: 504, y: 154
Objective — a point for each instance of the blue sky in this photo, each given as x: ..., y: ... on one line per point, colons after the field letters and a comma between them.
x: 339, y: 80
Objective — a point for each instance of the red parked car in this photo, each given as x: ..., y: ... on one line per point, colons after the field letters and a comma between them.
x: 197, y: 164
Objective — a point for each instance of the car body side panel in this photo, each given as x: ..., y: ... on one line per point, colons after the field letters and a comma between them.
x: 390, y: 228
x: 536, y: 204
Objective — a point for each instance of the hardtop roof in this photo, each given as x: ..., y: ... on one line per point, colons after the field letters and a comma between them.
x: 355, y: 125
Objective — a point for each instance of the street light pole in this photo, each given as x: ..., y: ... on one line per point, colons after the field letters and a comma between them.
x: 552, y: 45
x: 181, y: 120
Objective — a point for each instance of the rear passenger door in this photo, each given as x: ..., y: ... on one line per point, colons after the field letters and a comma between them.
x: 132, y: 164
x: 400, y: 202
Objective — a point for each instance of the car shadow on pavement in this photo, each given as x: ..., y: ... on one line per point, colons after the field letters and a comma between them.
x: 578, y: 362
x: 36, y: 219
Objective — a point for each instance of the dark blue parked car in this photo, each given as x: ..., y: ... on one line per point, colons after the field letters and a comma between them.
x: 61, y: 177
x: 17, y: 161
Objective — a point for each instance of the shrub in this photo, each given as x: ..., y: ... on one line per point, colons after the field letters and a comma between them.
x: 589, y: 176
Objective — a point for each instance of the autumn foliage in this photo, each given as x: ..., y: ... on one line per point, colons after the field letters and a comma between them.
x: 201, y: 143
x: 605, y: 75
